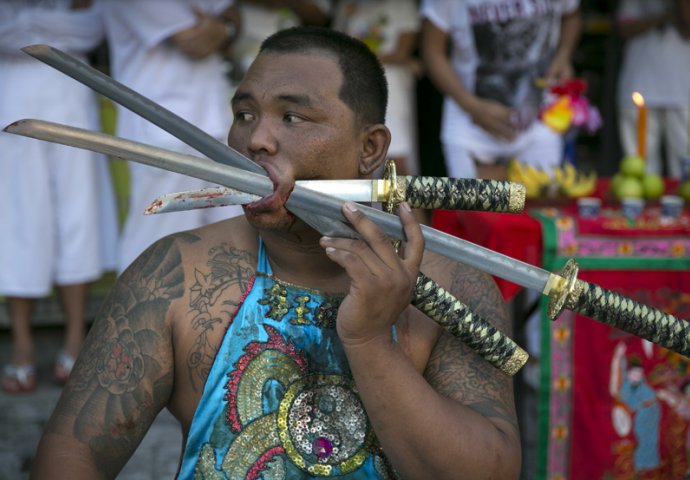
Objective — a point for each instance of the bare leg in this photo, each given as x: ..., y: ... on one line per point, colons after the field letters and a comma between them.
x: 73, y: 299
x: 20, y: 311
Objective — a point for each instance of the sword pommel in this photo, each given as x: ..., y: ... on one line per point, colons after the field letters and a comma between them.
x: 517, y: 192
x: 456, y: 318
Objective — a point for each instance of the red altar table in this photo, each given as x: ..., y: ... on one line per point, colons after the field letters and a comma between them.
x: 611, y: 405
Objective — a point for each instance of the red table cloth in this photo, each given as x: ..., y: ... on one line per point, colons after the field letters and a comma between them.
x: 515, y: 235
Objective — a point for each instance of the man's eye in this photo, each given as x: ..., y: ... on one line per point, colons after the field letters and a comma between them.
x: 243, y: 116
x: 292, y: 118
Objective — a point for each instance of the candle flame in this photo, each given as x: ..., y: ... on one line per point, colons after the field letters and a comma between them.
x: 638, y: 99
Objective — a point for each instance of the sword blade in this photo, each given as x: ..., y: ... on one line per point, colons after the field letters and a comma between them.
x: 301, y: 199
x: 202, y: 198
x: 223, y: 196
x: 134, y: 101
x: 167, y: 120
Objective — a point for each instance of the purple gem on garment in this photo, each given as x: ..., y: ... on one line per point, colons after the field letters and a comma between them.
x: 322, y: 447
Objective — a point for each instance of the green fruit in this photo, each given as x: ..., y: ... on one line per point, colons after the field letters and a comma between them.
x: 652, y: 186
x: 615, y: 181
x: 684, y: 190
x: 629, y: 187
x: 633, y: 166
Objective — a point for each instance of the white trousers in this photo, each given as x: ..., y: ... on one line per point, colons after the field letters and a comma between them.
x: 57, y: 215
x: 539, y: 146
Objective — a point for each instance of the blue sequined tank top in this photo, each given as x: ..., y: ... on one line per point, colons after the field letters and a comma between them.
x: 280, y: 401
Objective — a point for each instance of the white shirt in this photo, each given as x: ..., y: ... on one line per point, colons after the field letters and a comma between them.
x: 655, y: 63
x: 379, y: 24
x: 498, y: 49
x: 25, y: 22
x: 196, y: 90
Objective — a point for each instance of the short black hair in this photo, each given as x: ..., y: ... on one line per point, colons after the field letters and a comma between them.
x: 364, y: 88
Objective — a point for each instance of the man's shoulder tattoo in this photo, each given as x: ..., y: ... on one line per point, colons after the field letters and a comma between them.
x: 214, y: 298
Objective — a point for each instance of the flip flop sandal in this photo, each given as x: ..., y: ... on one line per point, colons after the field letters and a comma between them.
x: 18, y: 378
x: 63, y: 367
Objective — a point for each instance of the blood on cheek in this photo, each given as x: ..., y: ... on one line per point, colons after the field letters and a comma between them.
x: 274, y: 201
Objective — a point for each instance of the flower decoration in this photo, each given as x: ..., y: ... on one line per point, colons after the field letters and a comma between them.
x: 566, y: 106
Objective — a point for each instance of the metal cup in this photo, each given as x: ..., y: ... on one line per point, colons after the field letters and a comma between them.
x: 671, y: 206
x: 589, y: 207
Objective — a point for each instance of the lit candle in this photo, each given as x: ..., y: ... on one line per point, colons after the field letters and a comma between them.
x: 638, y: 99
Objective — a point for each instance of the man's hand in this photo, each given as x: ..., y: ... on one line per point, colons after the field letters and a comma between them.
x: 495, y: 118
x: 382, y: 280
x: 206, y: 37
x: 560, y: 70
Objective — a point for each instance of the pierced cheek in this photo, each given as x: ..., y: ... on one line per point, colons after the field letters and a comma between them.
x: 277, y: 199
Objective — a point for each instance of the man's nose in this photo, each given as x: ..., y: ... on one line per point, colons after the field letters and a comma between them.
x: 262, y: 138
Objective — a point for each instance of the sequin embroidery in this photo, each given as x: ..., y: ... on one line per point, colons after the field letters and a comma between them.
x: 289, y: 406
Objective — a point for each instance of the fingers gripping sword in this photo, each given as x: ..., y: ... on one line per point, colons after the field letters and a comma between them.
x: 439, y: 305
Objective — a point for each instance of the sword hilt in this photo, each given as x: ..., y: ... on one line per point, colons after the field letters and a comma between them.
x: 463, y: 194
x: 626, y: 314
x: 445, y: 193
x: 618, y: 311
x: 456, y: 318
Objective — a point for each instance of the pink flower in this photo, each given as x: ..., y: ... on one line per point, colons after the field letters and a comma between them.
x: 594, y: 120
x: 566, y: 107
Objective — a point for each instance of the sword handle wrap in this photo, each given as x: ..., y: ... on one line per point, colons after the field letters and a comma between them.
x: 455, y: 317
x: 463, y: 194
x: 626, y: 314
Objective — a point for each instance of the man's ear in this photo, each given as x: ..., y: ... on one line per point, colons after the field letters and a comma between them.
x: 375, y: 141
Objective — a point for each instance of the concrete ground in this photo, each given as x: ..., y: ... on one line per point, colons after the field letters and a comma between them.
x: 22, y: 418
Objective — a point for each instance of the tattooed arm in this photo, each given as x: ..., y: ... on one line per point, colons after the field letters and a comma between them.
x: 123, y: 376
x: 460, y: 374
x: 458, y: 420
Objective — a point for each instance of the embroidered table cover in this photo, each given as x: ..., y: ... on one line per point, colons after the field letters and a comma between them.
x: 613, y: 406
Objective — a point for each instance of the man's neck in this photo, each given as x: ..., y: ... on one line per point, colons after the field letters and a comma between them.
x: 302, y: 261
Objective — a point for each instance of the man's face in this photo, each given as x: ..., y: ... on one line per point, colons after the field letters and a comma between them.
x: 289, y: 119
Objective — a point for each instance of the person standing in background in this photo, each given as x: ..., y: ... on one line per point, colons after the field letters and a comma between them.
x: 56, y: 203
x: 488, y: 58
x: 261, y: 18
x: 656, y: 63
x: 390, y: 29
x: 171, y: 51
